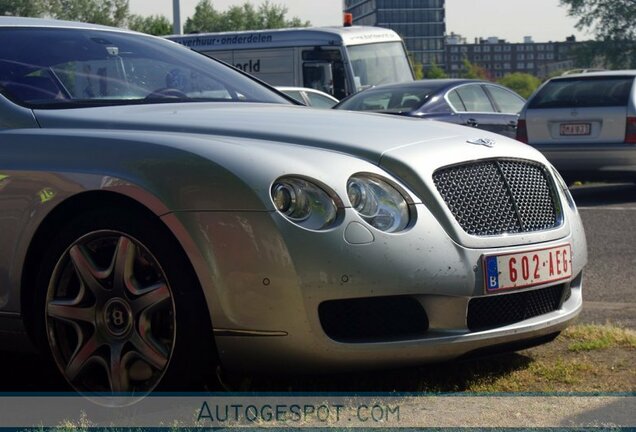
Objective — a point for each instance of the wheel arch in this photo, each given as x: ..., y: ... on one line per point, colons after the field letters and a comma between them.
x: 64, y: 212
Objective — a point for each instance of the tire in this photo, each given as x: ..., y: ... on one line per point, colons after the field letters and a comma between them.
x: 121, y: 309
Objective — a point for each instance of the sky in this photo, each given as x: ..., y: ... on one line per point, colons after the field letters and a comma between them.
x: 544, y: 20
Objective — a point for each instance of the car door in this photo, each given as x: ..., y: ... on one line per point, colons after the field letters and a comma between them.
x: 475, y: 109
x: 15, y: 195
x: 508, y: 104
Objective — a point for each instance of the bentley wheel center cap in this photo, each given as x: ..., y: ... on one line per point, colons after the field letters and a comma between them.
x: 118, y: 317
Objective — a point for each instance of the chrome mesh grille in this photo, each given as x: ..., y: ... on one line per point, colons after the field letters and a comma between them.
x: 498, y: 196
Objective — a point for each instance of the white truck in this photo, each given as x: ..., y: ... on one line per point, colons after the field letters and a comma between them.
x: 337, y: 60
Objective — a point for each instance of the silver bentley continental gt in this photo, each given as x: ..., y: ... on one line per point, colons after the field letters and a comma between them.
x: 162, y: 213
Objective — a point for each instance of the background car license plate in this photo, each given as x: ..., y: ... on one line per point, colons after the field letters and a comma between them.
x: 526, y: 269
x: 575, y: 129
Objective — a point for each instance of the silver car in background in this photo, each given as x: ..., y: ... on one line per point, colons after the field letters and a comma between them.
x: 585, y: 124
x: 162, y: 213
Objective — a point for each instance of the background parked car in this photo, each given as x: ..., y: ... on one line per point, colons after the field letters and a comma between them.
x: 310, y: 97
x: 473, y: 103
x: 585, y: 124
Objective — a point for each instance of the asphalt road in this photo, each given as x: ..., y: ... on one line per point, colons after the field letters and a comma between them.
x: 609, y: 282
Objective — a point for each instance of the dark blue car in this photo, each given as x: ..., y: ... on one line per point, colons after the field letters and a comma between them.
x: 475, y: 103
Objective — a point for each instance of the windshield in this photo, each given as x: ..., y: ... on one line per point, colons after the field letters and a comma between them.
x: 379, y: 63
x: 60, y: 68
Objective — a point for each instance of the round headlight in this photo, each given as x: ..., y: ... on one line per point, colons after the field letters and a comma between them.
x: 304, y: 203
x: 381, y: 205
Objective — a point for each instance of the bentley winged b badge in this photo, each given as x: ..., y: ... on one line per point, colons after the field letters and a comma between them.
x: 482, y: 141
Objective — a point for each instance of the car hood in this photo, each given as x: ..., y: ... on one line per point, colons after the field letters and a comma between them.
x: 365, y: 135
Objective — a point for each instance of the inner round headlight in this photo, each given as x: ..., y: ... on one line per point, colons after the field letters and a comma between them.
x: 284, y: 197
x: 381, y: 205
x: 357, y: 194
x: 304, y: 203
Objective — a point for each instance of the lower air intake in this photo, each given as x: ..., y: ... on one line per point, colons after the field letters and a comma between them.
x: 499, y: 310
x: 373, y: 319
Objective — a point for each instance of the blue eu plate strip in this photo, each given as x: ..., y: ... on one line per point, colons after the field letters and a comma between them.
x: 492, y: 273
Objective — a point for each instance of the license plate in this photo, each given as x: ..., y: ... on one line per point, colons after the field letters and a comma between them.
x: 575, y: 128
x: 526, y: 269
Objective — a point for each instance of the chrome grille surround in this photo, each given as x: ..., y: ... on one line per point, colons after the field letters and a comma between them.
x: 500, y: 196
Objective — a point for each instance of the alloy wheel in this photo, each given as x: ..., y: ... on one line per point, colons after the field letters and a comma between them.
x: 110, y: 315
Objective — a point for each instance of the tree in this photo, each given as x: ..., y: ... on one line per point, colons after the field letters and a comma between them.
x: 615, y: 34
x: 25, y: 8
x: 157, y: 25
x: 205, y: 18
x: 522, y: 83
x: 435, y: 72
x: 107, y: 12
x: 473, y: 71
x: 244, y: 17
x: 273, y: 16
x: 418, y: 70
x: 604, y: 55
